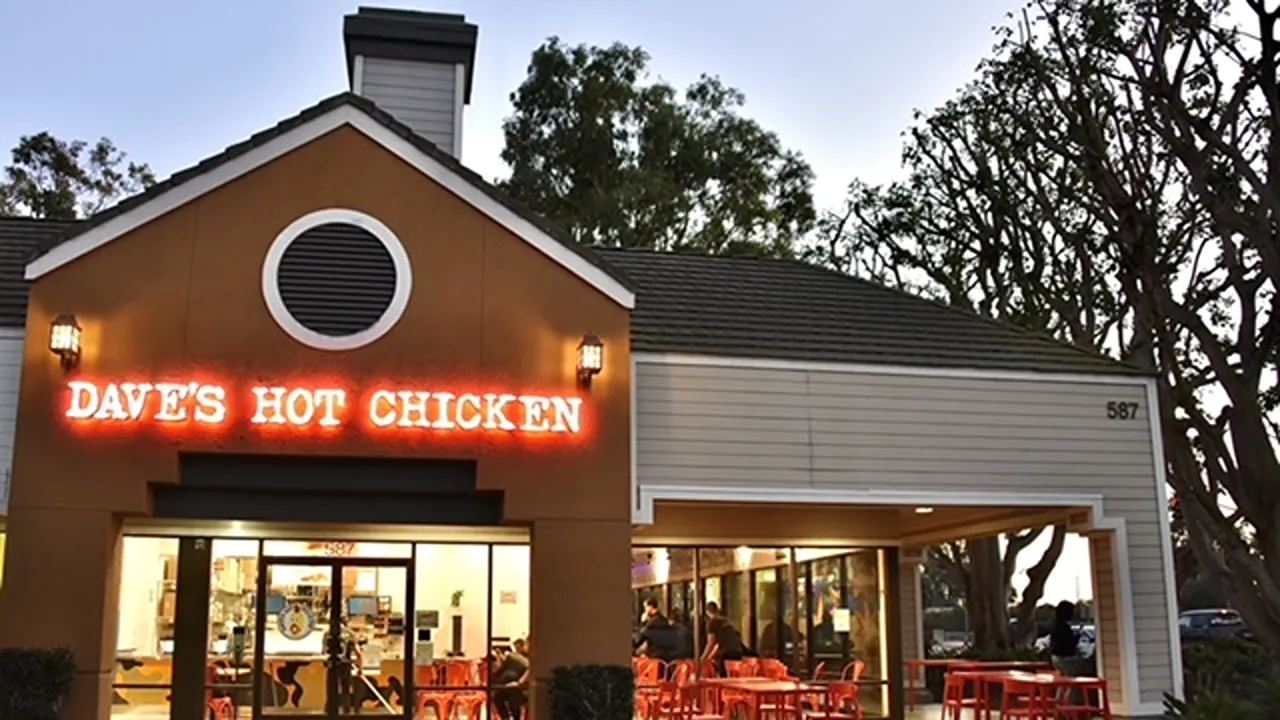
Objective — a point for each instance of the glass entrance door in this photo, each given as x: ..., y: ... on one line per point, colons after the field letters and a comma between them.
x: 331, y: 638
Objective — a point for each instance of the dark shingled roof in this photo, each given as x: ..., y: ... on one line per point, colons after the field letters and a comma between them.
x: 789, y: 310
x: 690, y: 304
x: 21, y: 239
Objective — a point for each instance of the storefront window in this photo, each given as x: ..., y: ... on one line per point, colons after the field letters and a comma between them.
x: 816, y: 609
x: 233, y: 582
x: 145, y: 634
x: 510, y: 593
x: 456, y: 609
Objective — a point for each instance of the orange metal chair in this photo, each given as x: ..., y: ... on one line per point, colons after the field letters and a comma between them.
x: 472, y: 675
x: 1028, y: 699
x: 648, y: 672
x: 428, y: 681
x: 688, y: 708
x: 844, y: 694
x: 220, y: 708
x: 955, y: 696
x: 1076, y: 697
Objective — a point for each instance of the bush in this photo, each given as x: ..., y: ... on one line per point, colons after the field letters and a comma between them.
x: 592, y: 692
x: 34, y: 683
x: 1230, y: 665
x: 1227, y: 679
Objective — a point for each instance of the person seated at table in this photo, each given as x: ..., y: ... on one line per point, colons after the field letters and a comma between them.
x: 723, y: 640
x: 511, y: 677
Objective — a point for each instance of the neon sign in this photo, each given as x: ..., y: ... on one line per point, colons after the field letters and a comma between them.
x: 265, y: 406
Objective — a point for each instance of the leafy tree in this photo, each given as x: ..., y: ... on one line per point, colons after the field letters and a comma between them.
x: 619, y: 162
x: 50, y: 178
x: 1112, y: 177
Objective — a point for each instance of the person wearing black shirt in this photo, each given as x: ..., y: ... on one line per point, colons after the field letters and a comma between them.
x: 723, y: 641
x: 346, y: 661
x: 1064, y: 644
x: 656, y: 638
x: 683, y: 634
x: 511, y: 678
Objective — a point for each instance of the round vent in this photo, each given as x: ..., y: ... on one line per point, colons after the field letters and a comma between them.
x: 336, y: 279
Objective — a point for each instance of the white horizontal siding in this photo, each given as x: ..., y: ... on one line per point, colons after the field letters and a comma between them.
x: 420, y: 95
x: 727, y: 426
x: 11, y: 345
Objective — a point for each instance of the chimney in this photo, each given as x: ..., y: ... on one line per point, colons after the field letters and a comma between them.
x: 416, y: 66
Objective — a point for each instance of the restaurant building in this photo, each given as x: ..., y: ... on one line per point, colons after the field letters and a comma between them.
x: 331, y: 378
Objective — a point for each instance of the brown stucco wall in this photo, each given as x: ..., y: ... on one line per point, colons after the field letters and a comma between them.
x: 181, y: 297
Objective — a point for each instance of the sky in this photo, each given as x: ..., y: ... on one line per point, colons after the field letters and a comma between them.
x: 174, y: 81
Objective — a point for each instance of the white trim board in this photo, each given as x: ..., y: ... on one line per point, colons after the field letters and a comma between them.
x: 749, y: 363
x: 1166, y: 538
x: 343, y: 115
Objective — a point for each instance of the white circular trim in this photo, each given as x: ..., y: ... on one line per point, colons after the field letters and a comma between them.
x: 307, y: 336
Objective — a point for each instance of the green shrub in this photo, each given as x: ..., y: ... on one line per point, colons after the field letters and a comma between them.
x: 1231, y: 666
x: 592, y: 692
x: 1227, y: 679
x: 1211, y: 705
x: 34, y: 683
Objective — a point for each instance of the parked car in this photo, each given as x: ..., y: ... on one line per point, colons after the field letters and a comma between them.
x: 1211, y: 624
x: 1086, y: 640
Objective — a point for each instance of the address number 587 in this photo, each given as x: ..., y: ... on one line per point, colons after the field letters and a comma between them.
x: 1122, y: 410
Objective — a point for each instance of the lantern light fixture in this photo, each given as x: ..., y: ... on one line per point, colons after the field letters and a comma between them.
x: 64, y: 340
x: 590, y: 359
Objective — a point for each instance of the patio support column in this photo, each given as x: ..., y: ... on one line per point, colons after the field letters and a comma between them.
x: 579, y: 598
x: 911, y: 610
x: 1108, y: 617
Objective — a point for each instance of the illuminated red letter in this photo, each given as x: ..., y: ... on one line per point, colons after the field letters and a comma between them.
x: 211, y: 404
x: 111, y: 407
x: 135, y: 398
x: 535, y: 408
x: 330, y: 402
x: 567, y: 414
x: 376, y: 416
x: 300, y: 413
x: 171, y: 397
x: 443, y: 421
x: 495, y: 416
x: 84, y: 400
x: 413, y: 409
x: 268, y: 399
x: 472, y: 420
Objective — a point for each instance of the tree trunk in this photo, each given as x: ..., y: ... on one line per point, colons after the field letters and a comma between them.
x: 988, y: 594
x: 1025, y: 614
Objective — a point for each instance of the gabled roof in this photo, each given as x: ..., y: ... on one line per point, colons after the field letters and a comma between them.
x: 350, y: 110
x: 732, y: 307
x: 789, y: 310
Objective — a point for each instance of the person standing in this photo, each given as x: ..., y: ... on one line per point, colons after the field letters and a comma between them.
x: 683, y: 633
x: 1064, y: 645
x: 346, y: 662
x: 723, y: 641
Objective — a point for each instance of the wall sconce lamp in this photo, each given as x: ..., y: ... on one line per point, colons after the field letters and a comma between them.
x: 590, y: 359
x: 64, y: 340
